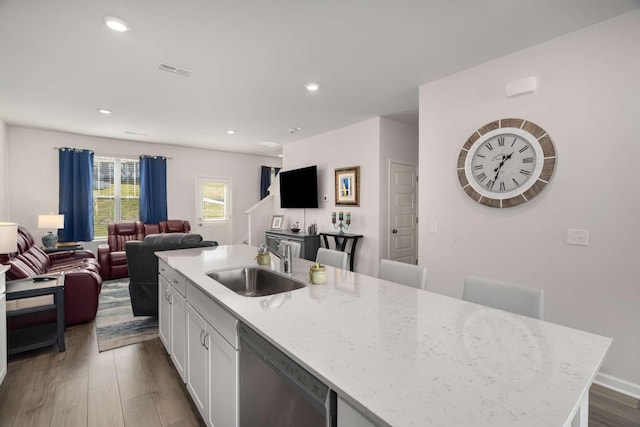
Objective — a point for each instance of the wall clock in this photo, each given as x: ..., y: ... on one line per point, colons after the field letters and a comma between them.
x: 506, y: 163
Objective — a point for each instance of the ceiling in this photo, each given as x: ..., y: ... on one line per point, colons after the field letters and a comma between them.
x: 250, y: 61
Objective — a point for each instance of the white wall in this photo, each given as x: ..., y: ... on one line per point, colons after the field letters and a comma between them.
x: 4, y: 172
x: 33, y: 183
x: 355, y: 145
x: 399, y: 143
x: 589, y: 102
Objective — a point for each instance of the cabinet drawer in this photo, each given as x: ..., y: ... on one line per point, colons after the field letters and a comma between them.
x: 216, y: 316
x: 173, y: 277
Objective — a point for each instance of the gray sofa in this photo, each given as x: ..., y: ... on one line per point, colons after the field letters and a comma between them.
x: 143, y: 266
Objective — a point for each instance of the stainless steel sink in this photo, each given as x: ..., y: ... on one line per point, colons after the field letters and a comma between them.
x: 255, y: 282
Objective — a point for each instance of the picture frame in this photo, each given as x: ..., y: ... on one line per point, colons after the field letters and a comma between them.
x: 277, y: 222
x: 348, y: 186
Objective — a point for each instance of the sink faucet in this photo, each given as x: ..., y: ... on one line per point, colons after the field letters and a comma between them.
x: 285, y: 257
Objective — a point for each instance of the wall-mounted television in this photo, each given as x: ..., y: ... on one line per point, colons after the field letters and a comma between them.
x: 299, y: 188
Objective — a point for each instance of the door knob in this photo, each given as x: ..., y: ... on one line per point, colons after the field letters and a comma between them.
x: 394, y: 231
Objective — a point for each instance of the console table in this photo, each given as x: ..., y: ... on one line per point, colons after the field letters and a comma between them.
x: 24, y: 339
x: 341, y: 244
x: 309, y: 243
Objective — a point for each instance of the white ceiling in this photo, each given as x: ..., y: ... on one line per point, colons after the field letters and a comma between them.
x: 250, y: 60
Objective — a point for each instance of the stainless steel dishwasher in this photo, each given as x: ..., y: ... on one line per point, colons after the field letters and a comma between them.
x: 275, y: 391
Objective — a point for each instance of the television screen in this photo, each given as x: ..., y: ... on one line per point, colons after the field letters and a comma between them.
x: 299, y: 188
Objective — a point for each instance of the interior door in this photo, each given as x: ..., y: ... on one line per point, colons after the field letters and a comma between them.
x: 213, y: 209
x: 403, y: 231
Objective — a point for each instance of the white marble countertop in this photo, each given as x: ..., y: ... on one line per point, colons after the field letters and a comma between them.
x: 408, y: 357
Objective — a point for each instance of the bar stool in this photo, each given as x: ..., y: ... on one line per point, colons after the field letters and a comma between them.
x: 333, y: 258
x: 403, y: 273
x: 506, y: 296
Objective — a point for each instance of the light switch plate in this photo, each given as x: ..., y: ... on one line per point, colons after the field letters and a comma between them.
x: 433, y: 227
x: 577, y: 236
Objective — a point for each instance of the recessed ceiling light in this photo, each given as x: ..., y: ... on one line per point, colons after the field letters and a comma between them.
x: 104, y: 111
x: 231, y: 131
x: 116, y: 24
x: 269, y: 144
x: 280, y: 155
x: 312, y: 87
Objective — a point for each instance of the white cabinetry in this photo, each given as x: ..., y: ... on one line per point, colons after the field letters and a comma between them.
x: 197, y: 360
x: 164, y: 312
x: 223, y: 388
x: 212, y: 358
x: 172, y: 315
x: 202, y: 340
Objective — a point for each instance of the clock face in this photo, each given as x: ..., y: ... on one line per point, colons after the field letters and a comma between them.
x: 502, y: 165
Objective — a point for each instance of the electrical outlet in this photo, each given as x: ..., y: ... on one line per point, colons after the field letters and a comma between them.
x: 325, y: 197
x: 433, y: 227
x: 577, y: 236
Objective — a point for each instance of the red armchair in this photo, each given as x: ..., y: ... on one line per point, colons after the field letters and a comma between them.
x: 111, y: 256
x: 174, y: 226
x: 82, y: 282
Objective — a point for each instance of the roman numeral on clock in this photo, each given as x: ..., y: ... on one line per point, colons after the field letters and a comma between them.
x: 514, y: 141
x: 481, y: 177
x: 523, y: 149
x: 501, y: 141
x: 488, y: 145
x: 527, y: 160
x: 515, y: 182
x: 489, y: 184
x: 478, y: 167
x: 502, y: 186
x: 525, y: 172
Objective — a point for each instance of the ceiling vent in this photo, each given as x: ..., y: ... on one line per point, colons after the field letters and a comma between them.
x: 176, y: 70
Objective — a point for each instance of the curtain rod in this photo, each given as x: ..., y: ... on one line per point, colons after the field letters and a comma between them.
x: 103, y: 155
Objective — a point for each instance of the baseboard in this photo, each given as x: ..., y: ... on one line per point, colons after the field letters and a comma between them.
x: 619, y: 385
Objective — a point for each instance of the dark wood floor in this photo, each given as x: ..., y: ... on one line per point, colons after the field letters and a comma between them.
x: 138, y: 386
x: 129, y: 386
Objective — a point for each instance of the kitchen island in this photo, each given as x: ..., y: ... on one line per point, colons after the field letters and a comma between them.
x: 408, y: 357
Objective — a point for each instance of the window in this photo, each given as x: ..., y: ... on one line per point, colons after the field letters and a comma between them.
x: 116, y: 192
x: 214, y: 205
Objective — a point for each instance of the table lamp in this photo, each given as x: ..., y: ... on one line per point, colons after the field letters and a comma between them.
x: 50, y: 221
x: 8, y: 237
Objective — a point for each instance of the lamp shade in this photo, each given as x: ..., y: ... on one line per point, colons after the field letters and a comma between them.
x: 8, y: 237
x: 51, y: 221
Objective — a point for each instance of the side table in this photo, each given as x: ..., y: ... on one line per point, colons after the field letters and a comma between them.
x: 25, y: 339
x: 77, y: 247
x: 341, y: 243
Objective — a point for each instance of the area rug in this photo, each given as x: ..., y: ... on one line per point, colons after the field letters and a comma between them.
x: 116, y: 326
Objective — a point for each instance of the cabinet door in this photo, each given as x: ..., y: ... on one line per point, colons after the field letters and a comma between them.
x: 164, y: 313
x: 178, y: 329
x: 197, y: 369
x: 223, y: 390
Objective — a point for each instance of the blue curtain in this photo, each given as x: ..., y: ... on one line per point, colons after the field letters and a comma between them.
x: 153, y: 189
x: 76, y: 194
x: 265, y: 180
